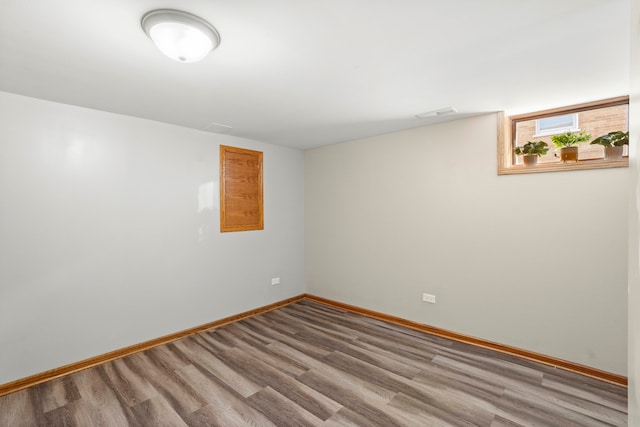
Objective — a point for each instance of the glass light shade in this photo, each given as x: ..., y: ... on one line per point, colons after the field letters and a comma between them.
x: 180, y: 35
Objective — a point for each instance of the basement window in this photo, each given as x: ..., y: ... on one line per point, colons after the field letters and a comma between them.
x: 594, y: 119
x: 557, y: 124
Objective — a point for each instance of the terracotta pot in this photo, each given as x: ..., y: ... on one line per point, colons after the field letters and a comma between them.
x: 530, y: 159
x: 569, y: 154
x: 611, y: 153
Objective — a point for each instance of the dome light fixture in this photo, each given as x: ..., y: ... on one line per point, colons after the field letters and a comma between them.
x: 180, y: 35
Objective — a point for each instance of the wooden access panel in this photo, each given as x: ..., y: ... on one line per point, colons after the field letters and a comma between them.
x: 241, y: 197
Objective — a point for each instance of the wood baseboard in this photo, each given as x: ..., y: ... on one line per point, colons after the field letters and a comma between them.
x: 126, y: 351
x: 514, y: 351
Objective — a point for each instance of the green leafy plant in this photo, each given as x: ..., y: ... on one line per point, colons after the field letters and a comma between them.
x: 569, y: 139
x: 537, y: 148
x: 612, y: 139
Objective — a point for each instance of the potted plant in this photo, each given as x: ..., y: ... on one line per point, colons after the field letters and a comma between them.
x: 531, y: 151
x: 613, y: 143
x: 568, y: 144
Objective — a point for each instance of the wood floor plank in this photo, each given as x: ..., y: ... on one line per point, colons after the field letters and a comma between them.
x: 471, y: 386
x: 445, y: 411
x: 597, y: 410
x: 217, y: 368
x: 581, y: 388
x: 397, y: 355
x: 261, y: 373
x: 582, y: 415
x: 519, y: 409
x: 272, y: 358
x: 314, y: 349
x: 313, y: 321
x: 179, y: 394
x: 57, y: 393
x: 472, y: 369
x: 17, y: 409
x: 435, y: 395
x: 345, y: 418
x: 102, y: 402
x: 353, y: 395
x: 404, y: 346
x: 225, y: 406
x: 157, y: 412
x: 127, y: 383
x: 61, y: 416
x: 309, y: 364
x: 280, y: 410
x: 498, y: 421
x: 507, y: 366
x: 213, y: 342
x: 348, y: 347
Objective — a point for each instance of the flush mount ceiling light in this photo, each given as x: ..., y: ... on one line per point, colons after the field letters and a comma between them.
x: 180, y: 35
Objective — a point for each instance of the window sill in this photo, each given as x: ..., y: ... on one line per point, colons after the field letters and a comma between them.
x: 561, y: 167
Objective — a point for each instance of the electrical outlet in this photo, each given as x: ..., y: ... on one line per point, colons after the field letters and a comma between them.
x: 275, y: 281
x: 429, y: 298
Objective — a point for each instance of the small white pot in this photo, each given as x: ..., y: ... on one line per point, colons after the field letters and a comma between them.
x: 612, y: 153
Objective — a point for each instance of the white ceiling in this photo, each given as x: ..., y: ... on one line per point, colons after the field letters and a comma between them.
x: 307, y: 73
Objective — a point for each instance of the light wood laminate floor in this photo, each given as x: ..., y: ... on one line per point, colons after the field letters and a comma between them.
x: 308, y: 364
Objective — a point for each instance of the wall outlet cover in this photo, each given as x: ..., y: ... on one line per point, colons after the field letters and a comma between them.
x: 429, y: 298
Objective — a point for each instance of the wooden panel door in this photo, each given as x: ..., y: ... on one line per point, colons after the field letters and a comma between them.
x: 241, y: 197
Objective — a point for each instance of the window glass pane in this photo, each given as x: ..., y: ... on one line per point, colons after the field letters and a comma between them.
x: 551, y: 123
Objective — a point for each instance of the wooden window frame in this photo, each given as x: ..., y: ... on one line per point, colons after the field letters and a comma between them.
x: 507, y: 130
x: 254, y: 198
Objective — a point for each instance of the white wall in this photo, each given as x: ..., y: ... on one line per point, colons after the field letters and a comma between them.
x: 534, y: 261
x: 634, y: 222
x: 109, y: 233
